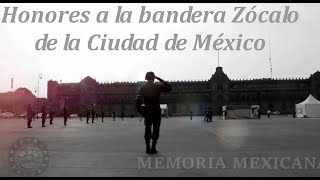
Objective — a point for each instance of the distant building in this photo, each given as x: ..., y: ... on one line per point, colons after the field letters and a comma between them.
x: 16, y: 101
x: 274, y: 94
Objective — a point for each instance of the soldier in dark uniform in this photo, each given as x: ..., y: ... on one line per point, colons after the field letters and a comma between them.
x: 29, y: 115
x: 88, y: 115
x: 259, y: 113
x: 149, y: 95
x: 226, y: 114
x: 122, y: 115
x: 93, y: 114
x: 51, y: 115
x: 114, y: 116
x: 65, y: 115
x: 205, y: 114
x: 210, y: 114
x: 102, y: 115
x: 44, y: 115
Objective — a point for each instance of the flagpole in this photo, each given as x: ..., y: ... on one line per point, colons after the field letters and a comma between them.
x: 12, y: 84
x: 270, y: 55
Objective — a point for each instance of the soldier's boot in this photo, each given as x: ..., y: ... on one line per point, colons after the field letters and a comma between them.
x: 153, y: 148
x: 148, y: 149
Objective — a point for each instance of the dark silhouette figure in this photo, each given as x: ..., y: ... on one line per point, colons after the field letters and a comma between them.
x: 259, y: 113
x: 102, y: 115
x: 122, y: 115
x: 191, y: 114
x: 114, y: 116
x: 210, y: 114
x: 149, y: 95
x: 97, y: 116
x: 44, y: 115
x: 206, y: 115
x: 51, y: 115
x: 93, y: 114
x: 65, y: 115
x: 294, y: 113
x: 88, y: 115
x: 30, y: 115
x: 225, y: 114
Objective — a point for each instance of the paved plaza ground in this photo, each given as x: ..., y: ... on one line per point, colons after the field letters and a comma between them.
x: 267, y: 147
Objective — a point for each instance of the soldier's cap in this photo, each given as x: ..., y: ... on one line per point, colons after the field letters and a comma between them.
x: 150, y: 76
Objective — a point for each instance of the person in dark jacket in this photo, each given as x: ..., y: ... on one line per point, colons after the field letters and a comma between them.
x: 65, y: 115
x: 114, y: 116
x: 88, y: 115
x: 102, y: 115
x: 51, y: 115
x: 259, y: 113
x: 44, y: 115
x: 149, y: 95
x: 206, y: 115
x: 93, y: 114
x: 210, y: 114
x: 30, y: 115
x: 122, y: 115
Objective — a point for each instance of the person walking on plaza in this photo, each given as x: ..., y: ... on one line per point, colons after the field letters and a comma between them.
x: 29, y: 115
x: 51, y: 115
x: 114, y: 116
x: 93, y: 114
x: 191, y: 114
x: 268, y: 113
x: 102, y: 115
x: 122, y: 115
x: 206, y: 115
x: 44, y: 115
x: 259, y: 113
x: 210, y: 114
x: 65, y: 115
x: 88, y: 115
x: 149, y: 95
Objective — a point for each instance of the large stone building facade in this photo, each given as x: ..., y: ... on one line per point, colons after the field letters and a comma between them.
x: 274, y: 94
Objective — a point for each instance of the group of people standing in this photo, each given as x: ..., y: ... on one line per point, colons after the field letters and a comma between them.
x: 91, y: 113
x: 44, y: 113
x: 147, y: 104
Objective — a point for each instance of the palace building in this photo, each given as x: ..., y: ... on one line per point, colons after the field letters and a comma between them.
x: 274, y: 94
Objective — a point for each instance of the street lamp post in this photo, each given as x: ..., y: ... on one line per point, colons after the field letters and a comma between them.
x: 39, y: 77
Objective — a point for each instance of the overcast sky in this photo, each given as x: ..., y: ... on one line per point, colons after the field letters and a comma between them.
x: 295, y: 47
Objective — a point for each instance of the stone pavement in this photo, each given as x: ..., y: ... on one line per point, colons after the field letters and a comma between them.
x: 280, y: 146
